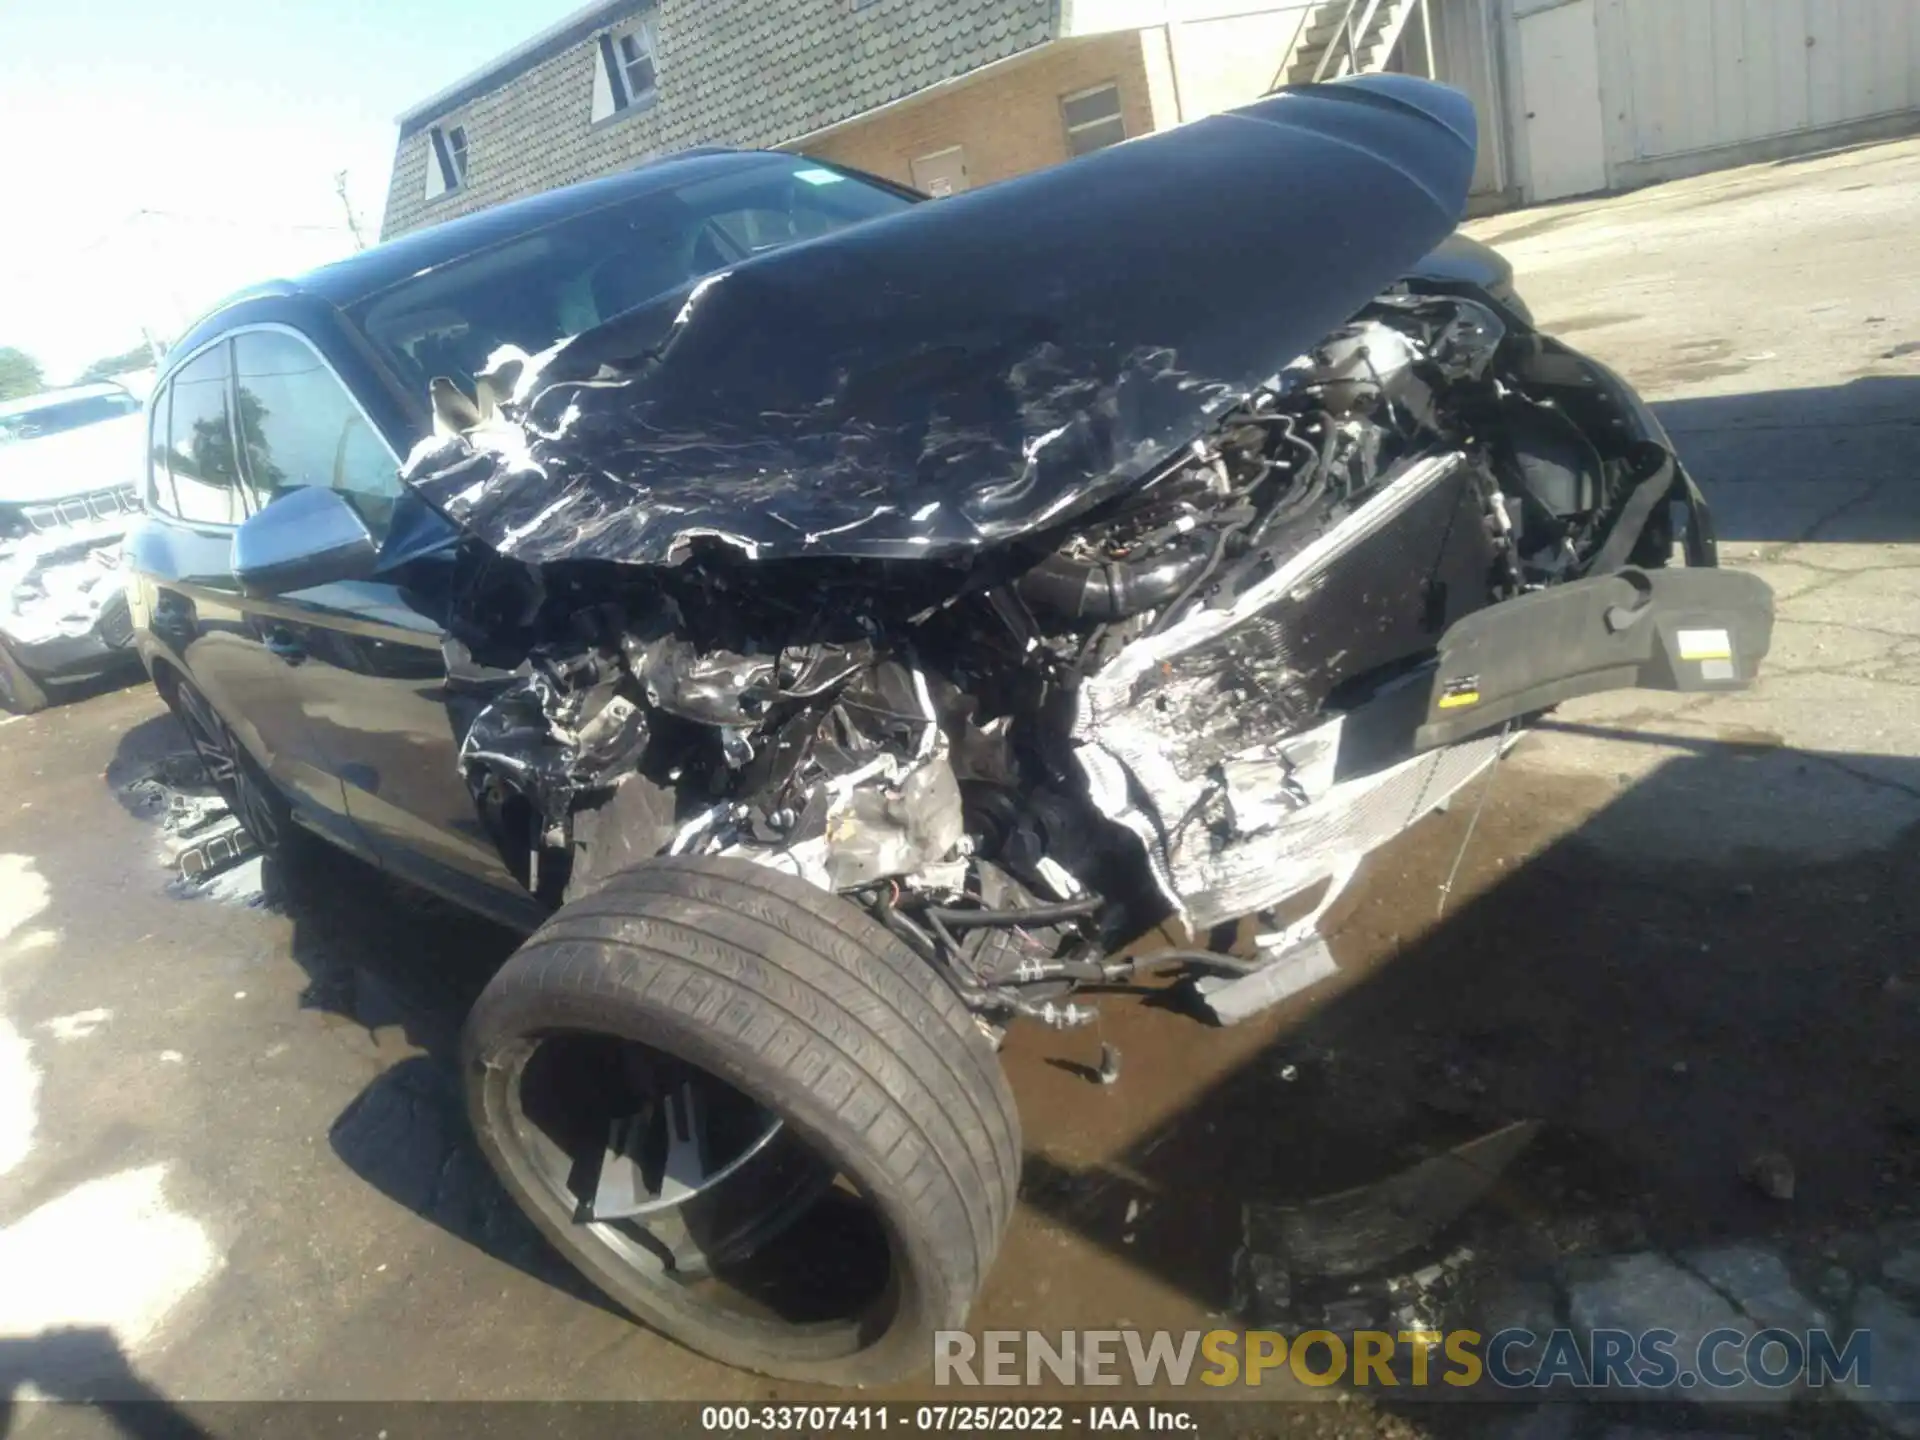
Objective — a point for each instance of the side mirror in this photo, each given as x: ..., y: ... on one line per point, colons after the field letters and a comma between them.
x: 305, y: 538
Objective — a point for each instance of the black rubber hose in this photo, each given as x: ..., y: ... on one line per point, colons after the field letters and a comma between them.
x: 1200, y: 959
x: 1107, y: 972
x: 1172, y: 612
x: 1111, y: 591
x: 1315, y: 480
x: 1040, y: 972
x: 1009, y: 919
x: 920, y: 943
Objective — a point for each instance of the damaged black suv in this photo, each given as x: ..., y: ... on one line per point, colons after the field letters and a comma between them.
x: 835, y: 626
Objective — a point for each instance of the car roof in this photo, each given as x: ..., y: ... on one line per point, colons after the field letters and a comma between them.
x: 30, y: 403
x: 345, y: 282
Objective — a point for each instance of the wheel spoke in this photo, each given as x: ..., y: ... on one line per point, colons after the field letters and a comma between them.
x: 620, y: 1191
x: 684, y: 1171
x: 219, y: 755
x: 662, y: 1156
x: 257, y: 814
x: 219, y: 766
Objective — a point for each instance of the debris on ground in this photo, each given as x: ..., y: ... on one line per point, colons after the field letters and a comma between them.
x: 1358, y: 1230
x: 1771, y: 1173
x: 201, y: 840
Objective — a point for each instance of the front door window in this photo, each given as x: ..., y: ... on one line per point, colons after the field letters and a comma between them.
x: 300, y: 427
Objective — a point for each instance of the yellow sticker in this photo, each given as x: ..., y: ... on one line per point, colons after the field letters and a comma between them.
x: 1704, y: 645
x: 1459, y: 699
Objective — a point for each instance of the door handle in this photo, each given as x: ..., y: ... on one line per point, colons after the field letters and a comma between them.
x: 280, y: 643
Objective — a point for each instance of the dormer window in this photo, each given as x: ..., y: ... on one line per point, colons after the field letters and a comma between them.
x: 446, y: 159
x: 626, y: 69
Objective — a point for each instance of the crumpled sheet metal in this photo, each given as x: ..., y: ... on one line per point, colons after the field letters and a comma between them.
x: 1208, y: 883
x: 879, y: 831
x: 54, y: 586
x: 965, y: 372
x: 886, y: 814
x: 1292, y: 826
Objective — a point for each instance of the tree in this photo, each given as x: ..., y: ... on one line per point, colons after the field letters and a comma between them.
x: 138, y: 357
x: 19, y: 374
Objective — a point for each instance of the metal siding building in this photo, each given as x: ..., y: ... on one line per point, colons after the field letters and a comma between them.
x: 1609, y: 94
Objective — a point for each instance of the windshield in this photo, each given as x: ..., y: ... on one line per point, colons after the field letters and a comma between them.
x: 544, y: 286
x: 59, y: 416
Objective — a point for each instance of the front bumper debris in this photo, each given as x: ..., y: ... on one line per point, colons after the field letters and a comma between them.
x: 1684, y: 630
x: 1677, y: 630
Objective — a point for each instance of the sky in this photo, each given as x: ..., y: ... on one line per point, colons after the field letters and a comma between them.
x: 159, y: 154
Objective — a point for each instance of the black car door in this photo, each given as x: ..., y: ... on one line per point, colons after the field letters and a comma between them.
x: 194, y: 606
x: 364, y: 657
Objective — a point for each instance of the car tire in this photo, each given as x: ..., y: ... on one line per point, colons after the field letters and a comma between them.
x: 20, y: 692
x: 776, y: 991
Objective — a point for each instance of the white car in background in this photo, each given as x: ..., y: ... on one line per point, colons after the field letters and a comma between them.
x: 68, y: 466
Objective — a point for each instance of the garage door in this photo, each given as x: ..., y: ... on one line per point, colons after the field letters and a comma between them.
x: 1707, y: 73
x: 1560, y: 83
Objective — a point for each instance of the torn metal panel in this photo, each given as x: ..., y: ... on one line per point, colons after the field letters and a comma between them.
x: 919, y: 386
x: 1298, y: 968
x: 1185, y: 736
x: 54, y: 585
x: 873, y: 833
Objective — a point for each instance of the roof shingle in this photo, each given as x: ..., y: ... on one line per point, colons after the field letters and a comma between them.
x: 731, y: 73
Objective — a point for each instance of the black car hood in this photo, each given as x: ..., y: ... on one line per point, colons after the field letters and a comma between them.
x: 975, y: 368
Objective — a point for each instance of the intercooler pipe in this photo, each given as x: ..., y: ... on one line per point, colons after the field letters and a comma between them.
x: 1110, y: 591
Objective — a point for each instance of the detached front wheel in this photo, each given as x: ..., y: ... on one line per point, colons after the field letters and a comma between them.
x: 751, y: 1116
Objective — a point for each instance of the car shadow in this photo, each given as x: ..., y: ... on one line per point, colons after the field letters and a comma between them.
x: 1829, y: 463
x: 1627, y: 1037
x: 401, y: 962
x: 118, y: 677
x: 84, y: 1364
x: 404, y: 967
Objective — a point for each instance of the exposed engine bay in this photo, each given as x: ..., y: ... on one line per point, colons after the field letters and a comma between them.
x: 1187, y: 702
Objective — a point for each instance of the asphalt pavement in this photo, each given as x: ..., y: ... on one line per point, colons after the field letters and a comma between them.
x: 1669, y: 1006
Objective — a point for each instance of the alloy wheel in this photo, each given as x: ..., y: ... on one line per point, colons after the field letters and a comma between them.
x: 692, y: 1185
x: 229, y: 769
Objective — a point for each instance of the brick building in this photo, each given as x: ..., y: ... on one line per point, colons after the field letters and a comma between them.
x: 939, y: 94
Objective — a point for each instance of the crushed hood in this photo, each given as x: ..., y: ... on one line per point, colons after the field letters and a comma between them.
x: 974, y: 368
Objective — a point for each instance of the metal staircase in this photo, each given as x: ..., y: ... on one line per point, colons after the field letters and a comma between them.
x: 1348, y: 37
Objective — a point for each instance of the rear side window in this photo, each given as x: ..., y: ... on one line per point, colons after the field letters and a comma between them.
x: 299, y: 427
x: 206, y: 482
x: 159, y: 487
